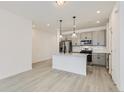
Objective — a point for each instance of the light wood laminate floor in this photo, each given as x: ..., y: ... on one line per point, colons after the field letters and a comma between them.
x: 43, y: 78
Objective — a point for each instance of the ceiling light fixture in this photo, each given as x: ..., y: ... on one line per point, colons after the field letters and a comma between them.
x: 60, y: 2
x: 60, y: 29
x: 98, y: 22
x: 98, y: 12
x: 74, y: 27
x: 60, y: 36
x: 48, y: 25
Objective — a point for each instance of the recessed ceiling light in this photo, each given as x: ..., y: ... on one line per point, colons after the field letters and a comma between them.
x: 98, y: 12
x: 48, y: 25
x: 98, y: 22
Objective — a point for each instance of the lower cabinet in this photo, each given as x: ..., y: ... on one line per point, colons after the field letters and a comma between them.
x: 99, y: 59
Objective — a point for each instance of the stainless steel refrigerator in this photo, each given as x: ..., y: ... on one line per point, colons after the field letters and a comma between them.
x: 65, y: 46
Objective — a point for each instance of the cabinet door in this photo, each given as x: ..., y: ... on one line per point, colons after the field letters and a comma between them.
x: 82, y: 36
x: 89, y: 35
x: 101, y: 37
x: 86, y: 35
x: 98, y: 59
x: 95, y: 39
x: 101, y: 59
x: 76, y: 49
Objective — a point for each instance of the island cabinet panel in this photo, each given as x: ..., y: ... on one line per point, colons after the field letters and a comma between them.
x: 74, y: 63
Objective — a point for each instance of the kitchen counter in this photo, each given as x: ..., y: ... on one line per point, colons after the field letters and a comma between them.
x: 70, y: 62
x: 95, y: 49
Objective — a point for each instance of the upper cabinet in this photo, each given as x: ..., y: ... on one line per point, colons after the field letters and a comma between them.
x: 86, y: 36
x: 98, y: 38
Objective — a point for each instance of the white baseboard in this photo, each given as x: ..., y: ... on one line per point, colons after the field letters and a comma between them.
x: 15, y: 73
x: 41, y: 60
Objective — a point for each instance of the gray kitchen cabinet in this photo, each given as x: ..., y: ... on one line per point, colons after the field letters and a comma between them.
x: 95, y: 39
x: 82, y: 35
x: 99, y: 38
x: 89, y: 35
x: 86, y: 36
x: 98, y: 59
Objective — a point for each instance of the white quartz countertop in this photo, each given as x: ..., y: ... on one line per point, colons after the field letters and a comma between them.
x: 95, y: 49
x: 71, y: 54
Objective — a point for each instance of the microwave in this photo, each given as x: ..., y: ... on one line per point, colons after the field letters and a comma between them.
x: 86, y: 42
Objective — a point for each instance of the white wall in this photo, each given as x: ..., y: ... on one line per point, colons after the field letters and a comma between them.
x: 15, y: 44
x: 117, y: 24
x: 114, y: 23
x: 122, y: 46
x: 44, y: 45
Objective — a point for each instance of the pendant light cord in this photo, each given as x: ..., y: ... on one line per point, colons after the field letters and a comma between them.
x: 60, y: 27
x: 74, y: 24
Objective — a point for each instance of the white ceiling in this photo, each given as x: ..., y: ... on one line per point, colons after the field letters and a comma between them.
x: 43, y: 13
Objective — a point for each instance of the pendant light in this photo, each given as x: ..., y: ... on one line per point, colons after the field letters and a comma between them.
x: 74, y: 27
x: 60, y: 29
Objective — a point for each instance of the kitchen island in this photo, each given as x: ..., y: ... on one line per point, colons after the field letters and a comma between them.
x: 70, y: 62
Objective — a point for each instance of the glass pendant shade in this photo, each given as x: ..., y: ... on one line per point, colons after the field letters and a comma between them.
x: 60, y: 36
x: 74, y: 35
